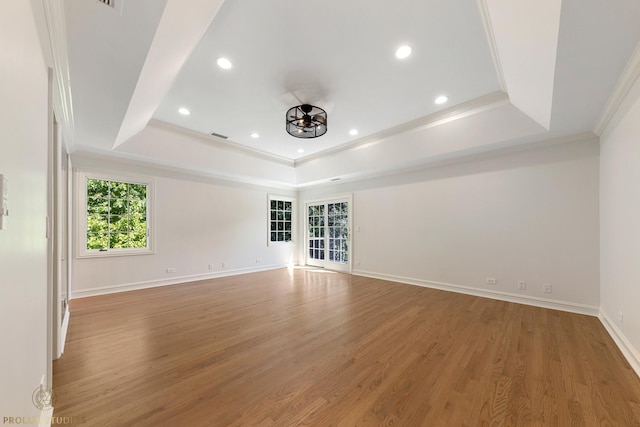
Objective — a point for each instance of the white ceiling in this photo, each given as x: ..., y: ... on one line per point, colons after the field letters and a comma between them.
x: 514, y: 72
x: 339, y: 56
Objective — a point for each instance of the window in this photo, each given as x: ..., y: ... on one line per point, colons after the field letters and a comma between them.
x: 114, y: 213
x: 280, y: 219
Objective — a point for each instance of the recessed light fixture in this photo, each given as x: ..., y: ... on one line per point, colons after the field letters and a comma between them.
x: 255, y: 135
x: 224, y: 63
x: 441, y: 99
x: 184, y: 111
x: 403, y: 52
x: 300, y: 150
x: 353, y: 132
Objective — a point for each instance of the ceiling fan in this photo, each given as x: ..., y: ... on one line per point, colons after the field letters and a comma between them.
x: 306, y: 121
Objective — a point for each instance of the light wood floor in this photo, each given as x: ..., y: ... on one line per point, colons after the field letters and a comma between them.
x: 304, y: 348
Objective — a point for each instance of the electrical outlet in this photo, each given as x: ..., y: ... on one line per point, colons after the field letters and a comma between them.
x: 210, y: 267
x: 223, y: 264
x: 621, y: 316
x: 546, y: 288
x: 491, y: 280
x: 171, y: 270
x: 258, y: 260
x: 522, y: 285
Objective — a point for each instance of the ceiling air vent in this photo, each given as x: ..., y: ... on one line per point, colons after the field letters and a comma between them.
x: 218, y: 135
x: 111, y: 3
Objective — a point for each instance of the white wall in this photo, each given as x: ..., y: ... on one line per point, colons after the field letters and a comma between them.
x: 23, y: 251
x: 196, y: 224
x: 528, y: 215
x: 620, y: 227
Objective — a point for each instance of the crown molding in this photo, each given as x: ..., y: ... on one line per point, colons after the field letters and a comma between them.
x: 627, y: 80
x: 491, y: 40
x: 477, y: 105
x: 100, y: 160
x: 57, y: 38
x: 470, y: 155
x: 220, y: 143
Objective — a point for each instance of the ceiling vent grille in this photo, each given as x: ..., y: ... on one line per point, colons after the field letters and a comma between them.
x: 218, y: 135
x: 110, y: 3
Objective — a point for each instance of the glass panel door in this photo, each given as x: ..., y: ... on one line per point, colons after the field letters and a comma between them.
x: 328, y: 235
x: 316, y: 235
x: 338, y: 238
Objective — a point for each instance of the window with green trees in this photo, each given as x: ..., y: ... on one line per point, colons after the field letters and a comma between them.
x: 116, y: 215
x: 281, y: 220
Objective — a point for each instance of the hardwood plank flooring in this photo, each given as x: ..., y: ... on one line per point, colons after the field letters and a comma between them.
x: 312, y: 348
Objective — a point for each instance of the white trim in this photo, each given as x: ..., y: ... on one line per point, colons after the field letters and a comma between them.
x: 627, y: 349
x: 475, y: 106
x: 491, y: 39
x: 63, y: 329
x: 105, y: 290
x: 502, y: 296
x: 348, y: 197
x: 220, y: 142
x: 293, y: 200
x: 81, y: 228
x: 465, y: 109
x: 627, y: 79
x: 56, y: 26
x: 46, y: 416
x: 84, y: 154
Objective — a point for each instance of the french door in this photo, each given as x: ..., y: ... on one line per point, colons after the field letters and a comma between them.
x: 328, y: 234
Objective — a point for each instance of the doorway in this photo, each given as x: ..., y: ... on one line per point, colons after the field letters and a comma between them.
x: 328, y: 231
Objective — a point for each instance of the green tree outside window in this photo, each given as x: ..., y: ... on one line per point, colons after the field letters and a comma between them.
x: 116, y: 214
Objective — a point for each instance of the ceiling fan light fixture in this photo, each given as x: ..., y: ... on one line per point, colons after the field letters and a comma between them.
x: 306, y: 121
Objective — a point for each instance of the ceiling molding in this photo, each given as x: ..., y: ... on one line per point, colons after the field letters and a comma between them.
x: 491, y: 40
x: 470, y: 155
x: 459, y: 111
x: 112, y: 161
x: 627, y: 79
x: 220, y: 143
x: 63, y: 105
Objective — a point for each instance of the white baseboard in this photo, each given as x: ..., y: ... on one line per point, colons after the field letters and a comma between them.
x: 628, y: 351
x: 485, y: 293
x: 84, y: 293
x: 46, y: 417
x: 63, y: 329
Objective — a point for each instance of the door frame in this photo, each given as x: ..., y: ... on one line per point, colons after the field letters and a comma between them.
x: 347, y: 197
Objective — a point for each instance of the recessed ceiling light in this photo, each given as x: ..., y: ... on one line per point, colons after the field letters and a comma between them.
x: 255, y: 135
x: 441, y: 99
x: 403, y: 52
x: 224, y: 63
x: 353, y: 132
x: 300, y: 150
x: 184, y: 111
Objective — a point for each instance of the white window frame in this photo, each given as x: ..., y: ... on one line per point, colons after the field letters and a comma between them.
x: 81, y: 240
x: 277, y: 197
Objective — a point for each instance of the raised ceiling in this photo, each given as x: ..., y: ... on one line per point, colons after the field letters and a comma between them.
x: 340, y: 57
x: 513, y: 72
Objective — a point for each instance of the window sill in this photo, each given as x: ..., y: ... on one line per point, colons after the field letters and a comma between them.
x: 114, y: 253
